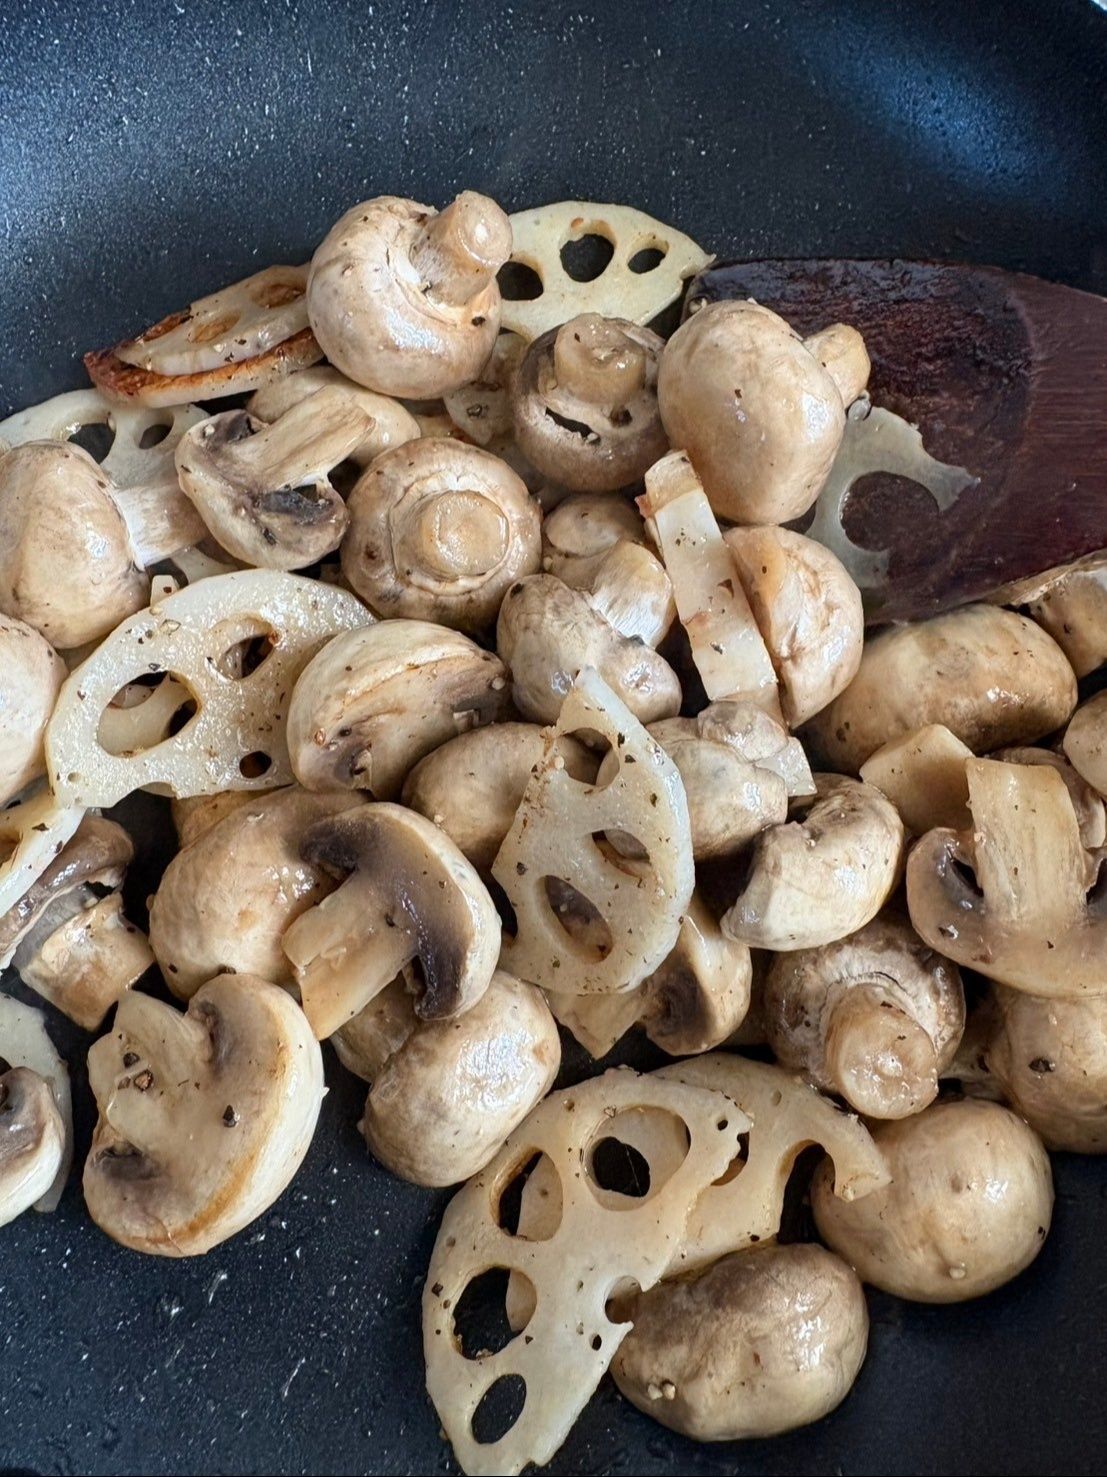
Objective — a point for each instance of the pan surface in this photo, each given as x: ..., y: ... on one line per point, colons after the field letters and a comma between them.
x: 150, y: 152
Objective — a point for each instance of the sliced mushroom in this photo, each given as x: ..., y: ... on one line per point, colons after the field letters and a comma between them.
x: 694, y: 1001
x: 263, y: 490
x: 757, y: 412
x: 67, y: 935
x: 1026, y: 918
x: 547, y: 633
x: 579, y: 533
x: 32, y: 1141
x: 808, y: 611
x: 443, y: 1103
x: 225, y: 901
x: 923, y: 775
x: 968, y: 1206
x: 372, y: 703
x: 990, y: 676
x: 392, y: 425
x: 409, y: 898
x: 762, y: 1342
x: 481, y: 409
x: 1049, y: 1057
x: 405, y: 300
x: 31, y: 673
x: 472, y: 786
x: 204, y: 1117
x: 438, y: 531
x: 74, y: 546
x: 25, y: 1045
x: 585, y: 403
x: 819, y: 878
x: 1085, y: 742
x: 876, y: 1017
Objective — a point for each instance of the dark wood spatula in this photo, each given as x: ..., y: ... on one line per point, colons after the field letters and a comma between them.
x: 1004, y: 374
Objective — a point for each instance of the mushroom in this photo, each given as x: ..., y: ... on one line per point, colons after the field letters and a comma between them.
x: 585, y: 403
x: 547, y: 633
x: 876, y: 1017
x: 472, y: 786
x: 754, y: 408
x: 32, y: 1141
x: 405, y: 300
x: 819, y: 878
x: 1091, y: 814
x: 197, y: 814
x: 1015, y: 897
x: 226, y: 899
x: 1071, y: 604
x: 990, y: 676
x: 968, y: 1206
x: 1049, y: 1057
x: 694, y: 1001
x: 578, y: 534
x: 738, y: 766
x: 443, y: 1103
x: 263, y: 490
x: 373, y: 702
x: 841, y: 351
x: 761, y: 1342
x: 481, y: 410
x: 808, y: 611
x: 409, y: 898
x: 74, y: 546
x: 438, y: 531
x: 31, y: 672
x: 923, y: 775
x: 1085, y: 742
x: 381, y: 1027
x: 391, y: 426
x: 67, y: 935
x: 204, y: 1116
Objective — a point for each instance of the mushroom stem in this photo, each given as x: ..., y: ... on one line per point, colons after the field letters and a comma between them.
x: 83, y: 955
x: 460, y: 250
x: 595, y: 361
x: 882, y: 1059
x: 160, y: 521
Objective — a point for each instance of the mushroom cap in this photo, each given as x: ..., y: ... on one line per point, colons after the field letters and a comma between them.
x: 585, y: 403
x: 366, y: 710
x: 391, y: 319
x: 757, y: 413
x: 445, y: 1101
x: 968, y: 1206
x: 481, y: 410
x: 579, y: 533
x: 472, y: 786
x: 438, y: 531
x: 808, y: 610
x: 1085, y: 742
x: 841, y: 351
x: 226, y: 899
x: 381, y: 1027
x: 1050, y: 1058
x: 876, y: 1016
x: 547, y: 633
x: 990, y: 676
x: 819, y: 878
x: 762, y: 1342
x: 32, y: 1141
x: 31, y: 672
x: 205, y: 1116
x: 392, y: 425
x: 262, y: 488
x: 409, y: 899
x: 67, y: 567
x: 698, y: 997
x: 198, y: 813
x: 1071, y: 604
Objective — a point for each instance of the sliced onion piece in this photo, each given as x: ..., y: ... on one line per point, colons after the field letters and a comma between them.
x: 24, y: 1042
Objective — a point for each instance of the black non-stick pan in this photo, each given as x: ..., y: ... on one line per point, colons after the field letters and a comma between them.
x: 151, y: 150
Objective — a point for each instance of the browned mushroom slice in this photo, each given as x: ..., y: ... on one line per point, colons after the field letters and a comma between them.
x: 263, y: 490
x: 409, y: 898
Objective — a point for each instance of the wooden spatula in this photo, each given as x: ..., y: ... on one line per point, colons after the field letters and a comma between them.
x: 1004, y: 374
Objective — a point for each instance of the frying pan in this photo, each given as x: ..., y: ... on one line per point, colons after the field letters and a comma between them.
x: 151, y: 150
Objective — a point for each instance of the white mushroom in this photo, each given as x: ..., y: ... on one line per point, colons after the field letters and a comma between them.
x: 35, y: 1133
x: 204, y: 1117
x: 1069, y: 603
x: 391, y: 426
x: 923, y: 775
x: 481, y: 410
x: 1085, y: 742
x: 579, y: 533
x: 31, y: 673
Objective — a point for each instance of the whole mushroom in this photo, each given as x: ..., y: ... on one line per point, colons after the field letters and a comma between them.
x: 438, y: 531
x: 1085, y: 742
x: 585, y: 403
x: 876, y: 1017
x: 445, y: 1100
x: 405, y: 300
x: 581, y: 531
x: 968, y: 1206
x: 31, y: 672
x: 755, y: 408
x: 761, y: 1342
